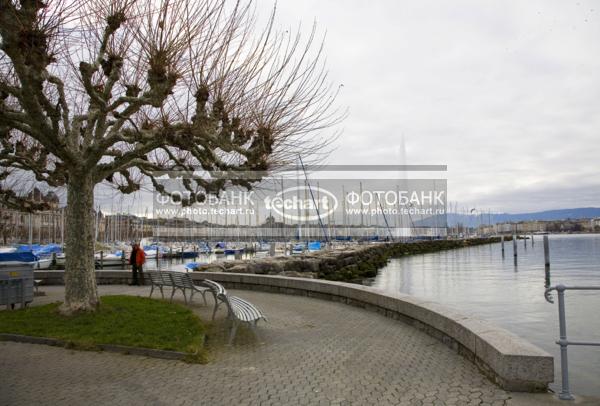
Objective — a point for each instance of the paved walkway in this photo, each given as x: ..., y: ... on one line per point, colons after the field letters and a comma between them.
x: 311, y: 352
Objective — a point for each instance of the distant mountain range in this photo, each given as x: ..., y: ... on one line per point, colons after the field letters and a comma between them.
x: 548, y: 215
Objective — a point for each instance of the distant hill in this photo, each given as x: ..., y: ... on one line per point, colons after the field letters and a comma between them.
x: 548, y: 215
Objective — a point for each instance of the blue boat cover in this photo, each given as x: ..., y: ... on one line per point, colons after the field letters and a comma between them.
x: 194, y: 265
x: 314, y: 245
x: 37, y: 249
x: 28, y: 248
x: 18, y: 256
x: 48, y: 249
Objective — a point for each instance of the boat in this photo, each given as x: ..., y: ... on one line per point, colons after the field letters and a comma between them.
x: 43, y: 263
x: 60, y: 259
x: 43, y: 253
x: 110, y: 259
x: 263, y: 249
x: 155, y: 251
x: 233, y: 251
x: 46, y: 255
x: 298, y: 249
x: 189, y: 252
x: 314, y: 246
x: 219, y: 248
x: 203, y: 248
x: 263, y: 246
x: 192, y: 266
x: 18, y: 259
x: 181, y: 252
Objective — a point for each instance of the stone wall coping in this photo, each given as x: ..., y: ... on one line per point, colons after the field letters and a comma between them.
x: 511, y: 361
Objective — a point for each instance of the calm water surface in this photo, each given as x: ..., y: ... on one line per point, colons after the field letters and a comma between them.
x: 178, y: 264
x: 481, y: 282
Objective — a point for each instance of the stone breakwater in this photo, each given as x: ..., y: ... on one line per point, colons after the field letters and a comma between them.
x: 349, y: 264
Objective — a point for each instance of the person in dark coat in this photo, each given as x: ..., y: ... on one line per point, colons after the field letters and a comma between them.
x: 137, y: 260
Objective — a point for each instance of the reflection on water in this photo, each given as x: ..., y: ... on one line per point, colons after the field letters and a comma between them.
x: 178, y: 263
x: 510, y: 292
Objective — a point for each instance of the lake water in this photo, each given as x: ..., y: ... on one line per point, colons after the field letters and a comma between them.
x: 179, y: 264
x: 479, y: 281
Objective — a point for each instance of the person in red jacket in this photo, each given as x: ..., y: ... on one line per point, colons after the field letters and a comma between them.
x: 137, y: 260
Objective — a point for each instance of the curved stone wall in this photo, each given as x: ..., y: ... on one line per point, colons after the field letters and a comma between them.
x: 510, y: 361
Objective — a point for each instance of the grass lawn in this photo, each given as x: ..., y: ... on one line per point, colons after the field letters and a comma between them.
x: 121, y: 320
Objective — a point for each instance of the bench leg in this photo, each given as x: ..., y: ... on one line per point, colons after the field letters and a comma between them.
x: 204, y: 297
x: 172, y: 294
x: 162, y: 294
x: 255, y: 330
x: 192, y: 296
x: 184, y: 296
x: 215, y: 310
x: 232, y: 332
x: 151, y: 290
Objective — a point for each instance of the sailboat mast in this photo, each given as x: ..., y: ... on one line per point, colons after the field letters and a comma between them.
x: 30, y: 232
x: 314, y: 203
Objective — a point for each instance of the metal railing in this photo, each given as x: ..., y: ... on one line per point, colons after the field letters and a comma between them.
x: 565, y: 393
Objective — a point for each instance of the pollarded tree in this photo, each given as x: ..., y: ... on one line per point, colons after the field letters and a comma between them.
x: 115, y: 91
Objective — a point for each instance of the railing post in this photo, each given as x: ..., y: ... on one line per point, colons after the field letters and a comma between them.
x: 565, y: 393
x: 546, y: 252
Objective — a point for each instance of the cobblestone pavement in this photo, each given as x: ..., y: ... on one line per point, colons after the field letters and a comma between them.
x: 312, y: 352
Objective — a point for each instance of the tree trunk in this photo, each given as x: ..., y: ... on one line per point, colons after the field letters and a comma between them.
x: 81, y: 293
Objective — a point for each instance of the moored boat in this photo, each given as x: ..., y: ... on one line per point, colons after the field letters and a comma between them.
x: 17, y: 259
x: 298, y: 249
x: 110, y: 259
x: 192, y: 266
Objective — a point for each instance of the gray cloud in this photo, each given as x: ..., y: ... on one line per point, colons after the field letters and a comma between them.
x: 503, y: 92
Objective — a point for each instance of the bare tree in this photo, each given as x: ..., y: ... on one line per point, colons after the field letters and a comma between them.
x: 115, y: 91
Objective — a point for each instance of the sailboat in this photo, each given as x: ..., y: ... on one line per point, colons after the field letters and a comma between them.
x: 110, y: 259
x: 16, y: 258
x: 298, y: 249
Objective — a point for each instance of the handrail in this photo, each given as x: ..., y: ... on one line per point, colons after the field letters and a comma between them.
x: 565, y: 393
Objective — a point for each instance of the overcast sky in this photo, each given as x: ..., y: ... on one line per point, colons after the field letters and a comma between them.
x: 506, y: 93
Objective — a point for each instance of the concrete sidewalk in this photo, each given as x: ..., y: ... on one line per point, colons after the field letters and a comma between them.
x: 310, y: 352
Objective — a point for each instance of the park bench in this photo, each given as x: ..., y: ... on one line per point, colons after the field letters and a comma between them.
x: 177, y: 281
x: 218, y: 292
x: 238, y: 310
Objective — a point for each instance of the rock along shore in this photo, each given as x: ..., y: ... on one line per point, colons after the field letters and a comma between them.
x: 350, y: 264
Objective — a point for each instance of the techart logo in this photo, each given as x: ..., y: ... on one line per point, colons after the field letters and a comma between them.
x: 299, y: 204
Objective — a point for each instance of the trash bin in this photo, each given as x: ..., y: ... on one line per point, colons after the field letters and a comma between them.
x: 16, y: 284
